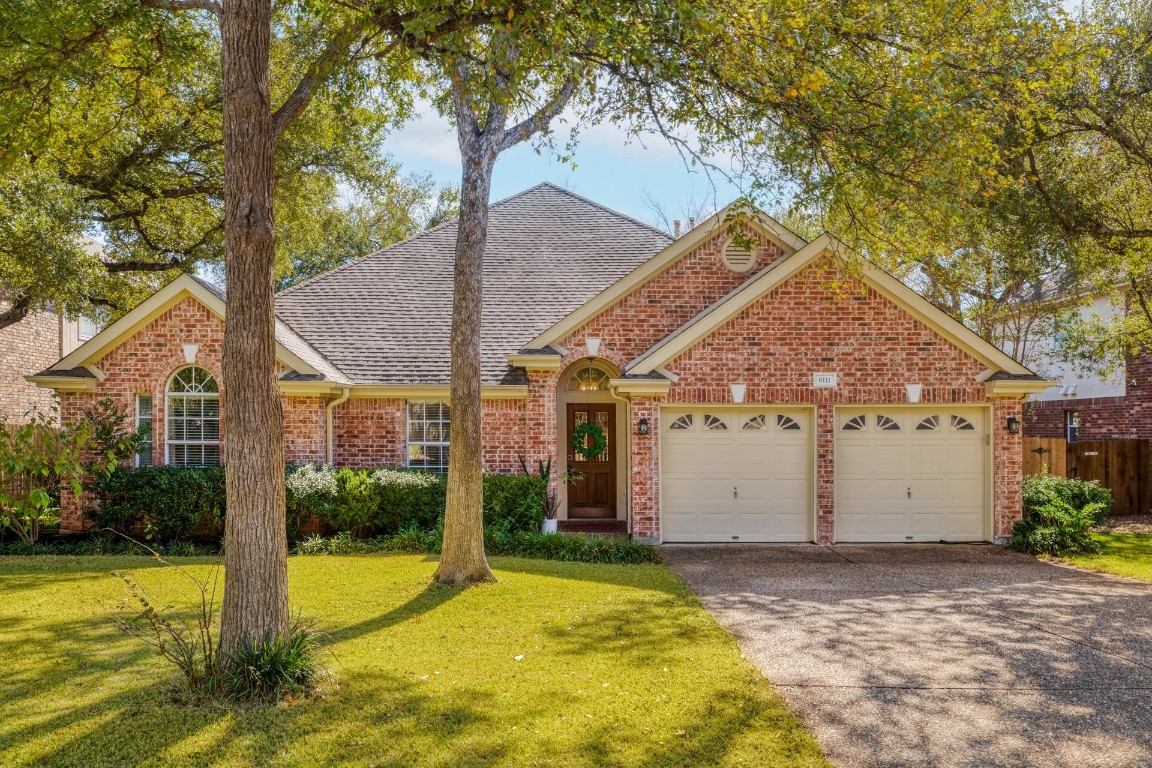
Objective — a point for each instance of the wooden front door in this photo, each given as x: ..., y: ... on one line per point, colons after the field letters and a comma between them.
x: 594, y: 494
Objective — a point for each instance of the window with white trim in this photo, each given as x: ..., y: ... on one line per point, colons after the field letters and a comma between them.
x: 428, y: 428
x: 144, y: 426
x: 192, y: 426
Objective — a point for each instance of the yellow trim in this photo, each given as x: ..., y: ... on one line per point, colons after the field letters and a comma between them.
x: 768, y: 226
x: 536, y: 362
x: 63, y: 383
x: 438, y: 391
x: 653, y: 387
x: 1016, y: 388
x: 309, y: 388
x: 145, y: 312
x: 903, y: 296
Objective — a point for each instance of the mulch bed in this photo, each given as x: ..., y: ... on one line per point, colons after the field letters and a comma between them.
x: 1126, y: 524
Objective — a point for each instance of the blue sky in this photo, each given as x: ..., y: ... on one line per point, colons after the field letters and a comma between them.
x: 609, y: 169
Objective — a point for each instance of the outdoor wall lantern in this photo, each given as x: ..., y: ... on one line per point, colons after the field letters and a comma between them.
x: 642, y: 425
x: 1013, y: 425
x: 738, y: 392
x: 592, y: 344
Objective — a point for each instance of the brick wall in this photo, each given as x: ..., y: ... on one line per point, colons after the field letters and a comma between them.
x: 27, y: 347
x: 775, y: 345
x: 663, y: 304
x: 372, y: 432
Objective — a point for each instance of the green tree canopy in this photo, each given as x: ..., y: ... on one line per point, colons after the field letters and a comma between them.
x: 112, y: 134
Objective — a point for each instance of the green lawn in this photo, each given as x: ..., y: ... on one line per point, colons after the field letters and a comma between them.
x: 618, y: 666
x: 1124, y: 554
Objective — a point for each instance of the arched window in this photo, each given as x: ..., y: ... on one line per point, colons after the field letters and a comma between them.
x: 192, y: 432
x: 588, y: 380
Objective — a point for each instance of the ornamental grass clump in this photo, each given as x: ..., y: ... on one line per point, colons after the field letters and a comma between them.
x: 269, y: 670
x: 275, y: 668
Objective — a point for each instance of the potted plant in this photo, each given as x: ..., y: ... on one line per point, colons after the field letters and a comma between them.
x: 551, y: 499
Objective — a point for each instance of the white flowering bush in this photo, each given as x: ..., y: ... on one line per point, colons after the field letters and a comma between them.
x: 310, y: 489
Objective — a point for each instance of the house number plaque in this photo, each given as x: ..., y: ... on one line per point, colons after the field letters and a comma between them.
x: 823, y: 380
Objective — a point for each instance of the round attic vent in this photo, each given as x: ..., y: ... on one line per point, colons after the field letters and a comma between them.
x: 737, y: 257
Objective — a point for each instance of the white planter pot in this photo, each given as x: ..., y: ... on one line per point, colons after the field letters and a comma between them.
x: 548, y: 526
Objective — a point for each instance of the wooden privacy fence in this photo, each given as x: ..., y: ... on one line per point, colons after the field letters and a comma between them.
x: 1121, y: 466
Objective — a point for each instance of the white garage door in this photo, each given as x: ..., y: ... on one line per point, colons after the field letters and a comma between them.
x: 910, y: 474
x: 735, y: 475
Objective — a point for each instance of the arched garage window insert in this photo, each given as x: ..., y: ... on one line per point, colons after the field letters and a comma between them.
x: 192, y: 428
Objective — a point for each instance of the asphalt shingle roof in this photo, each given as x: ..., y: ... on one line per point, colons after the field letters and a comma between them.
x: 290, y: 340
x: 385, y: 318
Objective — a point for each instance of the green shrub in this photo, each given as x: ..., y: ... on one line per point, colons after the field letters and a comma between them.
x: 576, y: 549
x: 164, y: 502
x: 406, y: 498
x: 1058, y: 513
x: 514, y: 502
x: 104, y: 543
x: 36, y: 459
x: 275, y: 667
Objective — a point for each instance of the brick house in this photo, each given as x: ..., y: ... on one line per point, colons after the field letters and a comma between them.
x: 755, y: 388
x: 31, y: 345
x: 1087, y: 406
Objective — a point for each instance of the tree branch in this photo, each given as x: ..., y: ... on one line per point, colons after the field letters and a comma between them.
x: 539, y: 122
x: 211, y: 6
x: 16, y: 312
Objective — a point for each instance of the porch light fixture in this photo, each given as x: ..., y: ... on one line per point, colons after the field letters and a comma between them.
x: 914, y: 392
x: 1013, y: 425
x: 738, y: 392
x: 190, y: 351
x: 642, y: 425
x: 592, y: 344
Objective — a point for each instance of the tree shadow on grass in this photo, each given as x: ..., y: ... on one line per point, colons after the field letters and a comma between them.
x: 430, y: 598
x: 744, y: 726
x: 653, y: 576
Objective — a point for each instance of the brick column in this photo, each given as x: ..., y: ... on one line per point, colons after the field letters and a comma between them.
x: 1007, y: 467
x: 825, y: 473
x: 540, y: 420
x: 644, y: 484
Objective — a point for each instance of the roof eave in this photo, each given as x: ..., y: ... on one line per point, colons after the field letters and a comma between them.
x: 1016, y: 387
x: 62, y: 383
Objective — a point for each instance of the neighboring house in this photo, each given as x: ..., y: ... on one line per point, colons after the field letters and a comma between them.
x: 746, y: 394
x: 27, y: 347
x: 1085, y: 405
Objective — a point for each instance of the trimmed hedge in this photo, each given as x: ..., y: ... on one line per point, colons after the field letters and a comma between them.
x: 167, y: 503
x: 1058, y: 513
x: 162, y: 502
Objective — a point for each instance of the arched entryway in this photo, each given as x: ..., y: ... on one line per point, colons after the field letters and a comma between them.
x: 598, y: 492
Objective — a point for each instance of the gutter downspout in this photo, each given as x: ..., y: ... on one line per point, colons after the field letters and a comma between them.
x: 330, y: 441
x: 627, y: 401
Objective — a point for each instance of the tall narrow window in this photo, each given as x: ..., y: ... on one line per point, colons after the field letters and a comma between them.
x: 1072, y: 426
x: 193, y: 419
x: 428, y: 426
x: 144, y: 425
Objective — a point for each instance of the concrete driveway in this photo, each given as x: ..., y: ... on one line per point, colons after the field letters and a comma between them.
x: 937, y: 655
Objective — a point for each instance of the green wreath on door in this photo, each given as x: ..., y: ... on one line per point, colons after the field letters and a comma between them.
x: 580, y: 435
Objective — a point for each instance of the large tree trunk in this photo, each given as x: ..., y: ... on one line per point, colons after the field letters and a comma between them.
x: 255, y: 603
x: 462, y: 558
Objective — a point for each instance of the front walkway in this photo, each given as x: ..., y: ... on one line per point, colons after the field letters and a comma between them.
x: 938, y: 655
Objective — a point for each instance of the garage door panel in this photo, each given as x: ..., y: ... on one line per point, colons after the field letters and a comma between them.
x: 766, y: 460
x: 940, y: 464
